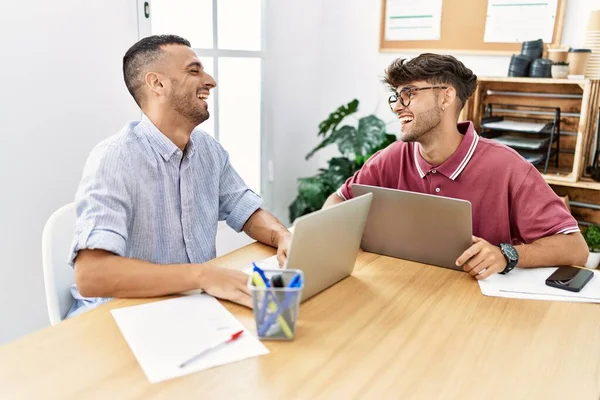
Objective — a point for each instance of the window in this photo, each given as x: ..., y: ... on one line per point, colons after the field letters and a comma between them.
x: 227, y: 35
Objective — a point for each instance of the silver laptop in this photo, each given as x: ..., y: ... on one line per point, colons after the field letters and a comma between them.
x: 415, y: 226
x: 325, y: 244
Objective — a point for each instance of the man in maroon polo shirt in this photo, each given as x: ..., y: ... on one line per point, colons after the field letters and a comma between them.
x: 517, y: 219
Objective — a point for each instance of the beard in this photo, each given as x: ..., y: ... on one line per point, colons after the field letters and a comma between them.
x: 421, y: 124
x: 189, y: 106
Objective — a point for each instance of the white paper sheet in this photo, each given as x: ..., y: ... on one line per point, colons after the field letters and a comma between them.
x: 515, y: 21
x: 530, y: 283
x: 267, y: 263
x: 166, y: 333
x: 413, y: 19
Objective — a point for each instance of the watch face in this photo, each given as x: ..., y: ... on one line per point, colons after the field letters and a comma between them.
x: 510, y: 252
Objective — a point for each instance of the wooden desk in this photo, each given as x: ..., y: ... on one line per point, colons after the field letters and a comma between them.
x: 394, y: 329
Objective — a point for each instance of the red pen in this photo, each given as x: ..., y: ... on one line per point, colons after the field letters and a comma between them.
x: 231, y: 339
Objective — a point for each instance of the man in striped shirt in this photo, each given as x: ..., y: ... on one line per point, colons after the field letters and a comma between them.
x: 151, y: 196
x: 517, y: 219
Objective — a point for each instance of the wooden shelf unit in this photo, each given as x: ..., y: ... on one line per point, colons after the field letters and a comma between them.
x: 579, y: 101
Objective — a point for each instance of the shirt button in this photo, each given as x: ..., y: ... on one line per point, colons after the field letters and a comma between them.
x: 437, y: 190
x: 433, y: 171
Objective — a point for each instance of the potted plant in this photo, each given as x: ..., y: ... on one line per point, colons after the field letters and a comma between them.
x: 592, y: 238
x: 560, y: 69
x: 356, y: 143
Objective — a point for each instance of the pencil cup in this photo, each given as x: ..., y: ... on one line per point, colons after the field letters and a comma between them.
x: 276, y: 297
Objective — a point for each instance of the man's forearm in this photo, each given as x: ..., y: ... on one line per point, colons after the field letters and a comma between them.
x: 553, y: 250
x: 332, y: 200
x: 102, y: 274
x: 264, y: 227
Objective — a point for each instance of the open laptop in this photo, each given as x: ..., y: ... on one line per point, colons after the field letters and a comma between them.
x: 416, y: 226
x: 325, y: 244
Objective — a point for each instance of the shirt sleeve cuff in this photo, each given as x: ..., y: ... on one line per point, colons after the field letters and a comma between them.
x: 341, y: 194
x: 246, y: 206
x: 99, y: 240
x: 567, y: 230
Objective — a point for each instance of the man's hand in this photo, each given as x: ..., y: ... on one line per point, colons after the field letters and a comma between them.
x: 482, y: 259
x: 283, y: 247
x: 223, y: 283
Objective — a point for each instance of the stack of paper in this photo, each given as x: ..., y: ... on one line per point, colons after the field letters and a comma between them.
x: 164, y: 334
x: 530, y: 283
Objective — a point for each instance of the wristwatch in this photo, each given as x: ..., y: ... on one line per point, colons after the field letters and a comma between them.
x: 511, y: 255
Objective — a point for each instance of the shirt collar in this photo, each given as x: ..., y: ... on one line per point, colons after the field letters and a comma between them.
x: 452, y: 167
x: 161, y: 143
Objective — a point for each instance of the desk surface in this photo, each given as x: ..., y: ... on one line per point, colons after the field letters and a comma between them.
x: 394, y: 329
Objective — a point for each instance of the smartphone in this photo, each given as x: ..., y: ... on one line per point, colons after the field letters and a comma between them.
x: 569, y: 278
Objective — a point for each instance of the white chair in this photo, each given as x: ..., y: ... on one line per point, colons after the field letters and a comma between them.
x: 58, y: 275
x: 56, y: 244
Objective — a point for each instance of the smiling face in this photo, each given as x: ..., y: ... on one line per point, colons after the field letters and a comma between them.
x: 423, y: 113
x: 434, y: 110
x: 189, y: 86
x: 176, y: 85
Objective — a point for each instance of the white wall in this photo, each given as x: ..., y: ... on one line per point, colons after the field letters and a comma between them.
x: 62, y: 92
x: 294, y: 80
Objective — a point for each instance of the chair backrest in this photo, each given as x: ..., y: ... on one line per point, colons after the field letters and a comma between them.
x: 58, y: 275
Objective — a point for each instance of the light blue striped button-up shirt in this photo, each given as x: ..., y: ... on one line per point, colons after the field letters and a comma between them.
x: 142, y: 197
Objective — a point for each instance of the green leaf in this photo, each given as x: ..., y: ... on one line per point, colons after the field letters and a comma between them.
x: 371, y: 134
x: 298, y: 208
x: 330, y: 125
x: 336, y: 117
x: 343, y: 135
x: 340, y: 169
x: 363, y: 141
x: 592, y: 237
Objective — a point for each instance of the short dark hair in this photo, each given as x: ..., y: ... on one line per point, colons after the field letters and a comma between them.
x: 145, y: 52
x: 434, y: 68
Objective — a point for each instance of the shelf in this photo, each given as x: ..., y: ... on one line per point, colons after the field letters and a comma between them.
x: 574, y: 96
x: 535, y: 149
x: 522, y: 143
x: 518, y: 126
x: 544, y: 81
x: 582, y: 184
x: 533, y: 158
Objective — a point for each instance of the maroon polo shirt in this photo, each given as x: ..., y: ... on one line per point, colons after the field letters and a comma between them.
x: 510, y: 201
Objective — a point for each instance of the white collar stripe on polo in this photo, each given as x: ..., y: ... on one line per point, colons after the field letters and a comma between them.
x: 415, y: 150
x: 465, y: 161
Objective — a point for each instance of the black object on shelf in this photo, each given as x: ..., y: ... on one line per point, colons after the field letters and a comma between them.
x: 529, y: 62
x: 541, y: 68
x: 531, y: 137
x: 519, y: 65
x: 533, y: 49
x: 594, y: 170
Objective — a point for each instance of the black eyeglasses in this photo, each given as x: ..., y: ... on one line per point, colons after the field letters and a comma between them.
x: 406, y: 95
